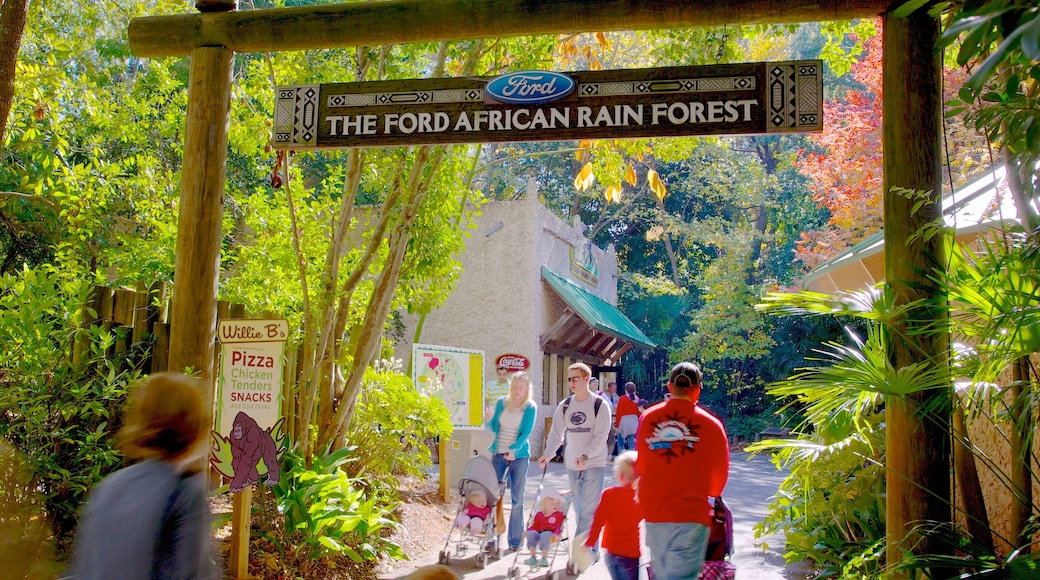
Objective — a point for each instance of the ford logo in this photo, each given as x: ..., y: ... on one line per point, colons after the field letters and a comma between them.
x: 530, y: 87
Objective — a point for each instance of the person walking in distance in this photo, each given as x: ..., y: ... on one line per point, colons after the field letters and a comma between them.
x: 584, y: 419
x: 611, y: 397
x: 627, y: 418
x: 682, y: 460
x: 495, y: 389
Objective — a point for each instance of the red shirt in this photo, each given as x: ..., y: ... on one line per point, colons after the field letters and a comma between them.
x: 551, y: 522
x: 683, y: 459
x: 625, y: 406
x: 477, y: 512
x: 617, y: 516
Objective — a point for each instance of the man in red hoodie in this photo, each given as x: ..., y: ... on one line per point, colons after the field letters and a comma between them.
x: 683, y: 459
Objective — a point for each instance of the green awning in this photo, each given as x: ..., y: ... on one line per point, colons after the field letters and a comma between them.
x: 590, y: 327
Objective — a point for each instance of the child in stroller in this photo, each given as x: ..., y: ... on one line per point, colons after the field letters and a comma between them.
x: 546, y: 527
x: 476, y: 513
x: 475, y: 521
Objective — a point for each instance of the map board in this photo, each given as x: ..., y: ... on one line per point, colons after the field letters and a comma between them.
x: 455, y: 376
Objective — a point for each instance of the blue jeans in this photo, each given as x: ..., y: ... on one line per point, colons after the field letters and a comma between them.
x: 677, y: 548
x: 622, y: 567
x: 516, y: 477
x: 540, y: 540
x: 587, y: 486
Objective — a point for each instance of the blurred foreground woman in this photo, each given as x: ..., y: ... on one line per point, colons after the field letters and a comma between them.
x: 151, y: 520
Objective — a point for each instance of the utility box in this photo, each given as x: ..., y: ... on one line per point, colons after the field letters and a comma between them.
x: 465, y: 444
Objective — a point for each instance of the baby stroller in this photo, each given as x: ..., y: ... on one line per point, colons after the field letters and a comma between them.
x: 720, y: 546
x: 558, y: 546
x: 479, y: 478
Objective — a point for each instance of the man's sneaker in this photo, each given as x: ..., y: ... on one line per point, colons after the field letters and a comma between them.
x: 532, y: 561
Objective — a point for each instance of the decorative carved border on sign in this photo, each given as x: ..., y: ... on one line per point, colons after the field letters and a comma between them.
x: 794, y: 94
x: 296, y: 115
x: 741, y: 83
x: 738, y: 83
x: 406, y: 98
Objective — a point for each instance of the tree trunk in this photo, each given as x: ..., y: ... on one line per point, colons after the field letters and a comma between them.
x: 918, y: 425
x: 968, y: 485
x: 1021, y: 437
x: 12, y: 25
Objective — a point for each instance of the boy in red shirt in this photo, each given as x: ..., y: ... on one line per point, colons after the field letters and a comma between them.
x: 618, y: 516
x: 683, y: 460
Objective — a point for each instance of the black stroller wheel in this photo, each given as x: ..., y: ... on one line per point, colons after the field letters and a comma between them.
x: 482, y: 560
x: 442, y: 558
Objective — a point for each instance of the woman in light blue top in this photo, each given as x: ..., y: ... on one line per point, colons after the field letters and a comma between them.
x: 512, y: 423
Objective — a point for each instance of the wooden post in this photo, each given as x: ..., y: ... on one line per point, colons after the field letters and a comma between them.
x: 194, y: 312
x: 241, y: 507
x: 412, y: 21
x: 918, y: 447
x: 445, y: 455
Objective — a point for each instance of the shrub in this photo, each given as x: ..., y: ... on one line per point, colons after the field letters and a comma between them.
x: 59, y: 415
x: 325, y: 515
x: 391, y: 426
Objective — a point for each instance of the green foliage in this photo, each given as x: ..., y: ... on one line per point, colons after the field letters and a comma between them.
x: 392, y: 425
x: 844, y: 43
x: 58, y: 414
x: 831, y: 506
x: 1000, y: 40
x: 326, y: 514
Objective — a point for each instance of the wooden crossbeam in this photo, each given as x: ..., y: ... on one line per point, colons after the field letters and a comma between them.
x: 411, y: 21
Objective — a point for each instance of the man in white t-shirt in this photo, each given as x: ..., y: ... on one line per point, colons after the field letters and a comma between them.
x: 586, y: 428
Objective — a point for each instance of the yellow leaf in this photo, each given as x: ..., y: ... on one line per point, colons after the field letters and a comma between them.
x: 602, y: 40
x: 656, y: 185
x: 582, y: 153
x: 585, y: 178
x: 613, y: 194
x: 630, y: 175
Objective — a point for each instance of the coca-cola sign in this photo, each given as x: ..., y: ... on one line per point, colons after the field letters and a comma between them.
x: 514, y: 362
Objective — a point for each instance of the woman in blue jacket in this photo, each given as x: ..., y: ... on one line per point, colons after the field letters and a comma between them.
x: 512, y: 423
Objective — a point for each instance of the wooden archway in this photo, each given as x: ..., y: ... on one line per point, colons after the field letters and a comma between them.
x: 918, y: 447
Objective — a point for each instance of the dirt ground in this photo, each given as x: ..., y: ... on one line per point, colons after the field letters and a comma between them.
x: 425, y: 520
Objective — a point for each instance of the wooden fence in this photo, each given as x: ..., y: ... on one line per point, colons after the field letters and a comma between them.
x: 140, y: 319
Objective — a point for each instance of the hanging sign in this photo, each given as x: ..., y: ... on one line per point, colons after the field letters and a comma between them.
x: 725, y: 99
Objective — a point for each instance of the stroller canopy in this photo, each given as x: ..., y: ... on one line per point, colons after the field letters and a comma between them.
x: 479, y: 471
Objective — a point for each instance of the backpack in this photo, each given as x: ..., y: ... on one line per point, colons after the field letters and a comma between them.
x: 595, y: 405
x: 720, y: 542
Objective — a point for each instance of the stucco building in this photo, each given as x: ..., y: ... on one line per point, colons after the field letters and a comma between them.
x: 533, y: 285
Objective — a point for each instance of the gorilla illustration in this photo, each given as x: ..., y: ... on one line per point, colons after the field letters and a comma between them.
x: 250, y: 443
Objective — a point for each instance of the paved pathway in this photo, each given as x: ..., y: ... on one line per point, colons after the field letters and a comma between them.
x: 752, y: 482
